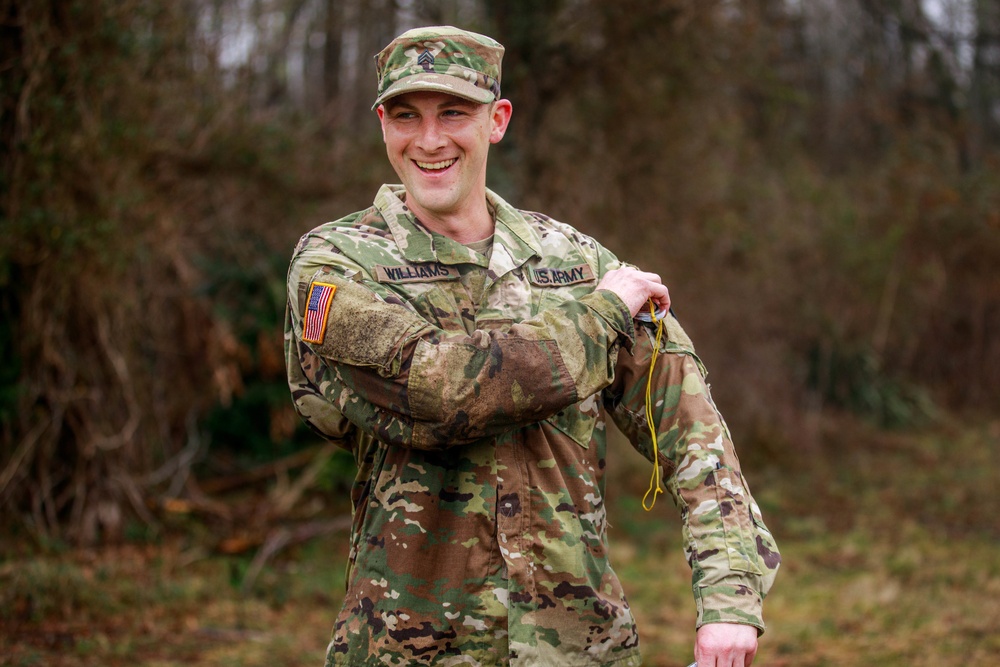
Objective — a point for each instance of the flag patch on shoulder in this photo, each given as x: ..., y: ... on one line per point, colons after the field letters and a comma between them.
x: 317, y: 311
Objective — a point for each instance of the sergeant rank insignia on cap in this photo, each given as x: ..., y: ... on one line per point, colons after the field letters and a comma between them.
x: 426, y: 60
x: 317, y: 311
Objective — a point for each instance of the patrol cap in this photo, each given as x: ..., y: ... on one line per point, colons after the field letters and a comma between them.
x: 441, y: 59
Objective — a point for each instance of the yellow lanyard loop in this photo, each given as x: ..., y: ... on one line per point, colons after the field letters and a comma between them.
x: 654, y: 480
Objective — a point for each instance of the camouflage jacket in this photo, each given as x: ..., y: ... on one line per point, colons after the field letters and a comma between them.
x: 474, y: 394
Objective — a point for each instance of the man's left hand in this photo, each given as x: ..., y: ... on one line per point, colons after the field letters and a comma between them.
x: 725, y: 645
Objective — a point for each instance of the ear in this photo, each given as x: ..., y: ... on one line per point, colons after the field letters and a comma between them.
x: 502, y: 110
x: 380, y: 110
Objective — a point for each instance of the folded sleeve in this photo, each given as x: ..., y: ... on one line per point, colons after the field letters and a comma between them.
x: 732, y: 554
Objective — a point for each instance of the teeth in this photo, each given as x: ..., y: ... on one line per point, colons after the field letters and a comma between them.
x: 436, y: 165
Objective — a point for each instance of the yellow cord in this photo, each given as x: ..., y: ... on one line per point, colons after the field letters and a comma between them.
x: 654, y: 480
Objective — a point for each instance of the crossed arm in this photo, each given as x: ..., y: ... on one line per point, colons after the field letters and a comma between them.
x: 399, y: 378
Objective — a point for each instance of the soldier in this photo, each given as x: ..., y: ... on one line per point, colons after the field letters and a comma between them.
x: 469, y: 354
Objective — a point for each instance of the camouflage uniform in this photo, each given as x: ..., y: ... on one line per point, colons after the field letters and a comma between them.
x: 473, y: 392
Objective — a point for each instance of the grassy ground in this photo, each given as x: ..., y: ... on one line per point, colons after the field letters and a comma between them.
x: 891, y: 549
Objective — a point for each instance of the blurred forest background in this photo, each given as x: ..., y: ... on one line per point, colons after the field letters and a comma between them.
x: 818, y: 181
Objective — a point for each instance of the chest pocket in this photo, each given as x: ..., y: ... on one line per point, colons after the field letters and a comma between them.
x: 551, y: 287
x: 578, y: 421
x: 441, y: 307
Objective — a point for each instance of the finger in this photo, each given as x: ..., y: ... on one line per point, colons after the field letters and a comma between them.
x: 703, y: 658
x: 638, y: 273
x: 716, y: 657
x: 654, y: 288
x: 660, y: 296
x: 651, y: 277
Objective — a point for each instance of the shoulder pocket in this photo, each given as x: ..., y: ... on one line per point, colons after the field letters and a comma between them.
x: 361, y: 329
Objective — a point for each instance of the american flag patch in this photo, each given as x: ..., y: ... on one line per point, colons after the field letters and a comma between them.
x: 320, y: 298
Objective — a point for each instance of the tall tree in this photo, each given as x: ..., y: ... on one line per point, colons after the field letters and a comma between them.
x: 333, y: 46
x: 985, y: 86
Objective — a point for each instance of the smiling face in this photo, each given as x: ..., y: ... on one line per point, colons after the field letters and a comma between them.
x: 438, y: 144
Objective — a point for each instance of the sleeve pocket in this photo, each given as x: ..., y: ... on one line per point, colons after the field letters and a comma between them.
x: 737, y: 523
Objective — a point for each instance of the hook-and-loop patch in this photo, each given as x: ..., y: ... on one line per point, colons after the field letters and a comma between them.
x: 317, y: 312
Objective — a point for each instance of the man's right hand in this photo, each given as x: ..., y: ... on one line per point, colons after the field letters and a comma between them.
x: 636, y: 288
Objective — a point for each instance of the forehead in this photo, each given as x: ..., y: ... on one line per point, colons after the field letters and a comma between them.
x: 428, y: 99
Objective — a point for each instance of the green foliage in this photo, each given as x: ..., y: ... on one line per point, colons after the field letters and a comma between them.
x: 854, y: 379
x: 249, y: 299
x: 338, y: 474
x: 141, y: 266
x: 45, y: 588
x: 244, y: 425
x: 248, y: 295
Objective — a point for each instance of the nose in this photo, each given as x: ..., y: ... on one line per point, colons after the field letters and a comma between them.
x: 430, y: 137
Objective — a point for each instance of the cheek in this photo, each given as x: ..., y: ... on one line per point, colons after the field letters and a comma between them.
x: 393, y: 146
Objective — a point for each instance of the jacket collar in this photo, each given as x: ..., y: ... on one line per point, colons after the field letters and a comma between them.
x: 514, y: 240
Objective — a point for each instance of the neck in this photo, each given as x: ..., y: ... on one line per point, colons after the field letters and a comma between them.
x: 474, y: 222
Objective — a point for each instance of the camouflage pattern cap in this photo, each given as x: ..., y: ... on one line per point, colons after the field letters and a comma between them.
x: 440, y: 59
